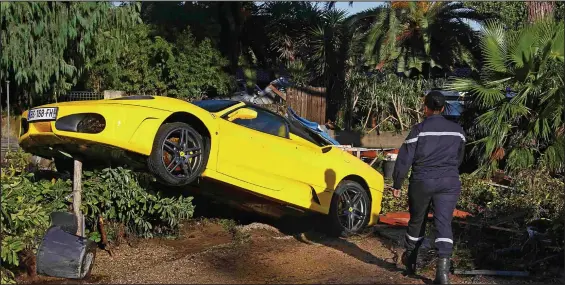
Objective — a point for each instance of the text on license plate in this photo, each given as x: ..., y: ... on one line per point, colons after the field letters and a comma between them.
x: 42, y: 114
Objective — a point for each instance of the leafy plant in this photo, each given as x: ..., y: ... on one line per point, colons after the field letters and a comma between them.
x: 519, y: 98
x: 45, y: 45
x: 114, y: 194
x: 391, y: 101
x: 184, y: 69
x: 418, y: 36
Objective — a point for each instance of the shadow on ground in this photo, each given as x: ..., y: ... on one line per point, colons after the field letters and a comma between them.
x: 305, y: 228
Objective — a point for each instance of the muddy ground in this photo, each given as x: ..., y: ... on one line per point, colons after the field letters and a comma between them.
x: 220, y: 251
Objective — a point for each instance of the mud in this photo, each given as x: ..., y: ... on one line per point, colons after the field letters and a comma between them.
x: 211, y: 252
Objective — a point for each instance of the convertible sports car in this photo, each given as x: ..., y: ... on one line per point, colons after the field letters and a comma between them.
x: 233, y: 142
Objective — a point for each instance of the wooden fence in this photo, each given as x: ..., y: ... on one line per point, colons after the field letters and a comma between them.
x: 308, y: 102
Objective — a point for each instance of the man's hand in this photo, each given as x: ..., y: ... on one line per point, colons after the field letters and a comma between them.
x: 395, y: 192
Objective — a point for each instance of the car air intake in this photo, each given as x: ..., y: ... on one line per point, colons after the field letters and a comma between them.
x: 89, y: 123
x: 24, y: 126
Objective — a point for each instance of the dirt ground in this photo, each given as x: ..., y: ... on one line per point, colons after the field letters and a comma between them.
x: 212, y: 252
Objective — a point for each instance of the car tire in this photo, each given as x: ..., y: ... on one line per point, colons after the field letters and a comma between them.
x: 341, y: 211
x: 165, y: 150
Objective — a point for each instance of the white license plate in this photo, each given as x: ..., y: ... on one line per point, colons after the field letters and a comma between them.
x: 42, y: 114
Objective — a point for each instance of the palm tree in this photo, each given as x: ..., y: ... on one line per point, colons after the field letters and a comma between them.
x: 538, y: 10
x: 418, y: 36
x: 519, y: 98
x: 314, y: 43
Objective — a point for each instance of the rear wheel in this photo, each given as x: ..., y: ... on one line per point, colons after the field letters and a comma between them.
x: 179, y: 154
x: 350, y: 209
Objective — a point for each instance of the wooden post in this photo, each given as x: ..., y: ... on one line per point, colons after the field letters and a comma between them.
x: 77, y: 197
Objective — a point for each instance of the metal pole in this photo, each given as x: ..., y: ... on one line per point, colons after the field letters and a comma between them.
x: 8, y: 105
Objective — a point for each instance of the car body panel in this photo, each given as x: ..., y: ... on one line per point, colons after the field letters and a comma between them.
x: 291, y: 170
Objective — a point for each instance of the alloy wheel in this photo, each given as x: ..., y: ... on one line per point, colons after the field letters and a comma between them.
x: 352, y: 209
x: 182, y: 153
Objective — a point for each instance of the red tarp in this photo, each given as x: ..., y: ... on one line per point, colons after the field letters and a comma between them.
x: 402, y: 218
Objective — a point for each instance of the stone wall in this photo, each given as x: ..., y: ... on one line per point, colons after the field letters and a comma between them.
x: 109, y: 94
x: 371, y: 140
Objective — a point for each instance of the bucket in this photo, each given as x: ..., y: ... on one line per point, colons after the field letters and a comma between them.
x: 388, y: 168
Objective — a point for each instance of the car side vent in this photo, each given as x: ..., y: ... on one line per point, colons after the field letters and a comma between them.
x: 89, y: 123
x: 315, y: 198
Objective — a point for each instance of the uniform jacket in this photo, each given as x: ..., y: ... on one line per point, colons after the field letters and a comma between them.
x: 434, y: 148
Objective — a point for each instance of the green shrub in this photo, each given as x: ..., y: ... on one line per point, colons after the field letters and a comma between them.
x: 114, y: 194
x: 392, y: 204
x: 534, y: 192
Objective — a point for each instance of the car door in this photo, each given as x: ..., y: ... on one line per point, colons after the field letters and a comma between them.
x: 247, y: 151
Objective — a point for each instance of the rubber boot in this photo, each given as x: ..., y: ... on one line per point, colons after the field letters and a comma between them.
x: 442, y: 271
x: 409, y: 258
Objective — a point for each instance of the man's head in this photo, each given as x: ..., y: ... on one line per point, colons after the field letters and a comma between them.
x: 434, y: 103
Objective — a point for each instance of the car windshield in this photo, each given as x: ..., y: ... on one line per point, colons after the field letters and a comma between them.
x: 300, y: 130
x: 214, y: 106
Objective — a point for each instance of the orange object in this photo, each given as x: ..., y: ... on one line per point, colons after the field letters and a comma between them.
x: 402, y: 218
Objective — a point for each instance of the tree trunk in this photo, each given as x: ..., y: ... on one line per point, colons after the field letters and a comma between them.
x: 538, y: 10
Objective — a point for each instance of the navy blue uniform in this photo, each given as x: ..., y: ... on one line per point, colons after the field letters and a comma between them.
x: 434, y: 149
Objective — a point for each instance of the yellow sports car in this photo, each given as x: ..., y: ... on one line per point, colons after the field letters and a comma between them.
x: 228, y: 141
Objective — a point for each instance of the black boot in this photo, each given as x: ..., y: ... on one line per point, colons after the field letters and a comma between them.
x: 442, y: 271
x: 409, y: 258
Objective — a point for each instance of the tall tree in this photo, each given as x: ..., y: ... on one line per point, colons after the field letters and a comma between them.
x: 150, y: 64
x: 420, y: 36
x: 513, y: 14
x: 45, y: 44
x: 520, y: 97
x: 538, y: 10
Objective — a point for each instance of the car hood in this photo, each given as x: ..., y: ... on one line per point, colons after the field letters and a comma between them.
x: 155, y: 102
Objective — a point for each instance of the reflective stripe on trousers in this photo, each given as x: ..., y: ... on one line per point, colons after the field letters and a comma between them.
x: 441, y: 194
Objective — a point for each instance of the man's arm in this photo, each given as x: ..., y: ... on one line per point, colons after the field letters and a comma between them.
x: 405, y: 158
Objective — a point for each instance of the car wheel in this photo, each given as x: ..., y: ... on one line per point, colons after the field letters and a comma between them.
x: 350, y: 209
x: 179, y: 154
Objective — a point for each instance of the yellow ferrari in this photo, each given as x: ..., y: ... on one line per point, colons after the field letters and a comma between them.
x: 233, y: 142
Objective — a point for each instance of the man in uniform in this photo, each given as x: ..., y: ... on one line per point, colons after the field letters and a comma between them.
x: 434, y: 149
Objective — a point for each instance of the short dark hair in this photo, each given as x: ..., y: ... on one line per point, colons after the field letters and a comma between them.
x: 434, y: 100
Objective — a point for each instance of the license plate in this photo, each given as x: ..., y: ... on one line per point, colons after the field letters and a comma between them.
x: 42, y: 114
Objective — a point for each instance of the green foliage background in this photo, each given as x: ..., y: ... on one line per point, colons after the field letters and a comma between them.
x: 114, y: 194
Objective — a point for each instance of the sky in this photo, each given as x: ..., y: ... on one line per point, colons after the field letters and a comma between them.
x: 360, y: 6
x: 357, y: 6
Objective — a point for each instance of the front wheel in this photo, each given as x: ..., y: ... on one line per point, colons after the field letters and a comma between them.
x: 179, y: 154
x: 350, y: 209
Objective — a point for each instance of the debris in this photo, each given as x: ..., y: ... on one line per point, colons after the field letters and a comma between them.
x: 508, y: 218
x: 492, y: 272
x: 501, y: 186
x: 545, y: 259
x: 489, y: 227
x: 104, y: 236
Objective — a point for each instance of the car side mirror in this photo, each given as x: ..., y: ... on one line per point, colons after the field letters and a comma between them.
x: 243, y: 113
